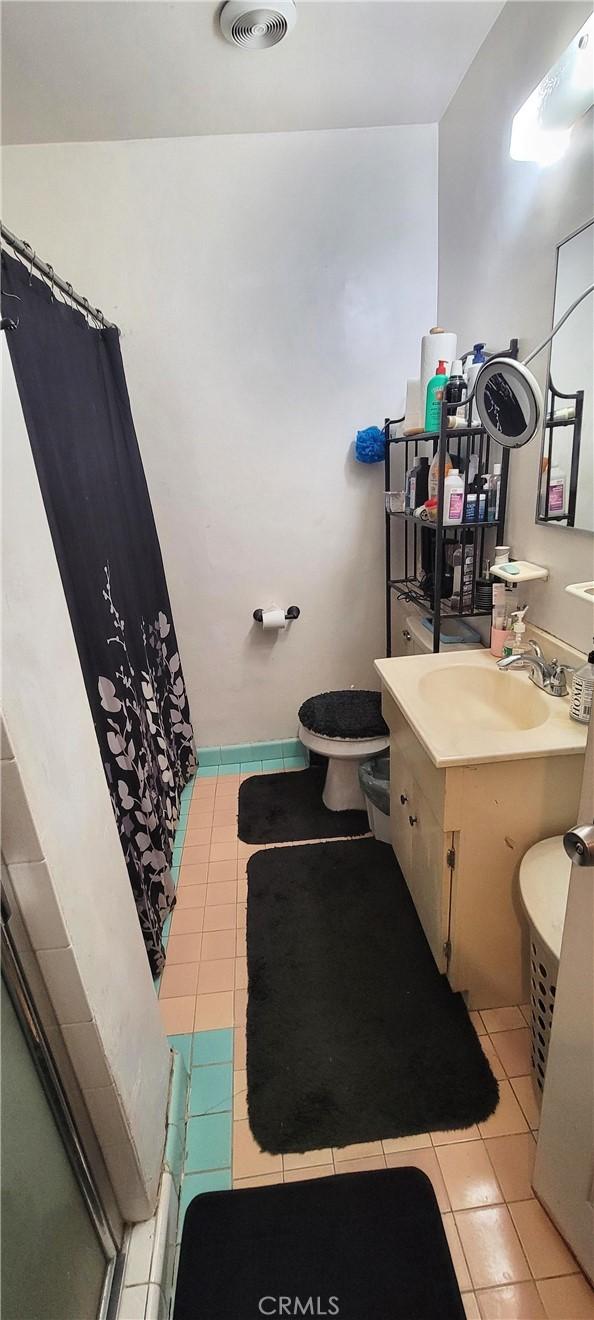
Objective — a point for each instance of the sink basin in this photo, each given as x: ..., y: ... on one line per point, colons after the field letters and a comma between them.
x: 466, y: 711
x: 485, y: 699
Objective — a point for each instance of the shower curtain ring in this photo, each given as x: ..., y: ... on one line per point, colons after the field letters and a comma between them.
x: 87, y: 307
x: 32, y: 251
x: 50, y: 268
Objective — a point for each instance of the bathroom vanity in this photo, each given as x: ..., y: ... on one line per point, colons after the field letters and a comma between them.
x: 483, y: 765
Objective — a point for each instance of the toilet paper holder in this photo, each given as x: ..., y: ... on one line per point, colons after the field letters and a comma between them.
x: 293, y: 612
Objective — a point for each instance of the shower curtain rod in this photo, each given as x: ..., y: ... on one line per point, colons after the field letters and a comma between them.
x: 25, y: 250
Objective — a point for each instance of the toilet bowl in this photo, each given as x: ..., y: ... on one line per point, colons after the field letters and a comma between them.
x: 346, y: 727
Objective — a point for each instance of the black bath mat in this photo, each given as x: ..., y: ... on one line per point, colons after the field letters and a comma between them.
x: 352, y: 1033
x: 358, y: 1245
x: 280, y: 808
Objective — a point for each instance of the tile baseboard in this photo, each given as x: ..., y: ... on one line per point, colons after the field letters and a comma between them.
x: 225, y: 759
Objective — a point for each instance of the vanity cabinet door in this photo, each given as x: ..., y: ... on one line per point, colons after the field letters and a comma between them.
x: 400, y: 808
x: 429, y: 878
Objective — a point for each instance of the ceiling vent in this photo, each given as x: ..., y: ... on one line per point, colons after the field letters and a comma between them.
x: 254, y: 28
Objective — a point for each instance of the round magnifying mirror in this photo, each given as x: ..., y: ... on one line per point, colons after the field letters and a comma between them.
x: 508, y: 401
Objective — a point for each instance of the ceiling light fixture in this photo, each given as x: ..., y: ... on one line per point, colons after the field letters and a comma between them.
x: 541, y: 130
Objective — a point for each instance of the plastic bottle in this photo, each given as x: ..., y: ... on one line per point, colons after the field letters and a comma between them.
x: 434, y: 474
x: 557, y: 484
x: 473, y: 367
x: 435, y: 391
x: 493, y: 488
x: 462, y: 564
x: 581, y: 692
x: 417, y: 484
x: 514, y: 643
x: 453, y: 498
x: 476, y: 495
x: 455, y: 389
x: 498, y: 619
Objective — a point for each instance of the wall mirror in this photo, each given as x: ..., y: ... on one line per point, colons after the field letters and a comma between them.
x: 566, y: 478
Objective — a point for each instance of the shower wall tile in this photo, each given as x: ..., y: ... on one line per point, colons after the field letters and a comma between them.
x: 6, y: 752
x: 84, y: 1046
x: 64, y: 986
x: 19, y: 837
x: 39, y: 906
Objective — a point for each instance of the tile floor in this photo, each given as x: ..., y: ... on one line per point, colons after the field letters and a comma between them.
x: 510, y: 1260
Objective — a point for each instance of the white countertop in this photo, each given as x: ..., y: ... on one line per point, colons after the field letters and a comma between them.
x: 455, y: 715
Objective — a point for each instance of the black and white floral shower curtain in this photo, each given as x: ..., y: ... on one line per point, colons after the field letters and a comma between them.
x: 73, y: 391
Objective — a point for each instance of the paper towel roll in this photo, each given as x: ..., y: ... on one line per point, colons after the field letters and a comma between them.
x: 412, y: 412
x: 273, y: 618
x: 436, y: 345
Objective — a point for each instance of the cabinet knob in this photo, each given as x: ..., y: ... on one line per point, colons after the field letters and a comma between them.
x: 403, y: 798
x: 406, y: 634
x: 412, y: 820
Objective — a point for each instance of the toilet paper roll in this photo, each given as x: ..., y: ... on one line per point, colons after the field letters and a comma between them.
x: 436, y: 345
x: 412, y: 412
x: 273, y: 618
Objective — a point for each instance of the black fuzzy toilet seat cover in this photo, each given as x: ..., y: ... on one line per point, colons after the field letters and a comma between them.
x: 345, y: 714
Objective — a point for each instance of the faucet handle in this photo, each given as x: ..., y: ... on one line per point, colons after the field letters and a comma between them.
x: 558, y: 680
x: 535, y: 648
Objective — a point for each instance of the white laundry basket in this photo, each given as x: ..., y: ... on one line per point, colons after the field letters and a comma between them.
x: 544, y: 884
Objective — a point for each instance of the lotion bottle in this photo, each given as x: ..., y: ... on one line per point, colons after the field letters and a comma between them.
x: 498, y: 618
x: 435, y: 392
x: 581, y: 692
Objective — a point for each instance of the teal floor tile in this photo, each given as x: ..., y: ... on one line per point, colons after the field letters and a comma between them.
x: 209, y: 755
x: 208, y: 771
x: 183, y: 1044
x: 273, y: 765
x: 194, y: 1184
x: 294, y: 763
x: 208, y: 1143
x: 212, y: 1046
x: 231, y: 768
x: 211, y: 1089
x: 166, y: 928
x: 175, y: 873
x: 176, y: 858
x: 250, y: 767
x: 180, y: 835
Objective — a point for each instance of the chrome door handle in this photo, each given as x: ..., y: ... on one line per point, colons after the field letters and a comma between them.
x: 579, y: 845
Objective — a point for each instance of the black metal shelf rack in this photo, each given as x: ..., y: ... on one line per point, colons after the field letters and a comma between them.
x: 432, y: 539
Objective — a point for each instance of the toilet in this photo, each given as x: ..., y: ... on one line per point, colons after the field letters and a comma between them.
x: 347, y: 727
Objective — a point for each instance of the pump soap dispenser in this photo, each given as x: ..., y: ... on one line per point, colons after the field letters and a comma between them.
x: 514, y: 643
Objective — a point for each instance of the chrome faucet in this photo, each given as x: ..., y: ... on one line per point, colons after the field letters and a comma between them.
x: 550, y: 678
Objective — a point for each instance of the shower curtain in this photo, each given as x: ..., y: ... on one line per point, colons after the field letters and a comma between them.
x: 72, y: 387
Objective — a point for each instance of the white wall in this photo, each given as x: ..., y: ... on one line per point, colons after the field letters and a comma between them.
x: 272, y: 291
x: 62, y: 848
x: 499, y: 223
